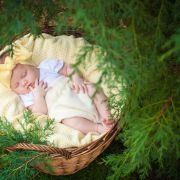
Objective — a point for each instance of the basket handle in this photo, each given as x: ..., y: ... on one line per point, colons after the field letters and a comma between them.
x: 41, y: 148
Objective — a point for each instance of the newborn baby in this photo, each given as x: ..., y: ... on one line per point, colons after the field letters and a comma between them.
x: 79, y: 111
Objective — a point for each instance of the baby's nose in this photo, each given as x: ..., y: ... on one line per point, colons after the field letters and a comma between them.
x: 25, y: 82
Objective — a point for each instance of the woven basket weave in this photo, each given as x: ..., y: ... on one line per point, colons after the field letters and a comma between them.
x: 65, y: 161
x: 69, y: 160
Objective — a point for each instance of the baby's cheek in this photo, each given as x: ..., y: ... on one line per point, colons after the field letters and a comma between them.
x: 20, y: 91
x: 12, y: 83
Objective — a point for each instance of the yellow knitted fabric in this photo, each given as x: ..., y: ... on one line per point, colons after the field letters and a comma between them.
x: 20, y: 55
x: 62, y: 136
x: 28, y: 49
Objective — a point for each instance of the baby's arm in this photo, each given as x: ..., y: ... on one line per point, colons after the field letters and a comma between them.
x: 77, y: 82
x: 39, y: 92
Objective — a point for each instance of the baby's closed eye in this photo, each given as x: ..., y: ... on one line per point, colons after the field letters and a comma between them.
x: 16, y: 84
x: 23, y: 74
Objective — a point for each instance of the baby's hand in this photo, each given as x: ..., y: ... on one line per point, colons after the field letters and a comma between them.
x: 79, y: 87
x: 40, y: 88
x: 77, y: 84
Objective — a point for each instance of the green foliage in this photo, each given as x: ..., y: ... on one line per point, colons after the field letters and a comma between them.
x: 21, y: 16
x: 30, y: 131
x: 173, y: 48
x: 141, y: 42
x: 17, y: 165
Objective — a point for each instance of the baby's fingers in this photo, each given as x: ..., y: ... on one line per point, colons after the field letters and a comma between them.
x: 41, y: 83
x: 82, y: 88
x: 46, y: 86
x: 85, y: 88
x: 74, y: 87
x: 36, y: 82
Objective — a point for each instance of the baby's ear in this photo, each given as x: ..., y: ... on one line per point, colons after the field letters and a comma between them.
x: 2, y: 58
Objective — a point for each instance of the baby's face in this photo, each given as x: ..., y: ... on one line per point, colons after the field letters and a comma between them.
x: 23, y: 77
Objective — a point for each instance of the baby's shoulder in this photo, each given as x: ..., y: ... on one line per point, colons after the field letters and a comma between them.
x: 52, y: 65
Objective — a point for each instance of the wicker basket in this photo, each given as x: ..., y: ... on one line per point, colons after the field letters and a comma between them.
x: 65, y: 161
x: 69, y: 160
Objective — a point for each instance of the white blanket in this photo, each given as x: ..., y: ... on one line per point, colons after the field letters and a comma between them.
x: 64, y: 103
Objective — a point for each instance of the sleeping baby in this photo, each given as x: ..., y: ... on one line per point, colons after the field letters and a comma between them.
x: 47, y: 89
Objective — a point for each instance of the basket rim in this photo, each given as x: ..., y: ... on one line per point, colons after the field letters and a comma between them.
x: 68, y: 152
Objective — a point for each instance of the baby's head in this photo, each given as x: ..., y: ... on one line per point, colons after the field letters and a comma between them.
x: 23, y: 77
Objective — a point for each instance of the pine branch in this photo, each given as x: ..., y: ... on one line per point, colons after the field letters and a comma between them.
x: 25, y: 163
x: 164, y: 108
x: 15, y: 163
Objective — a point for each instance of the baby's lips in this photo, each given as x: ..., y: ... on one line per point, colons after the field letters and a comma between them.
x: 31, y: 85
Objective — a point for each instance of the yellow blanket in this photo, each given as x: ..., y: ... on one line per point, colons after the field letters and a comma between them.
x: 63, y: 47
x: 46, y: 46
x: 62, y: 135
